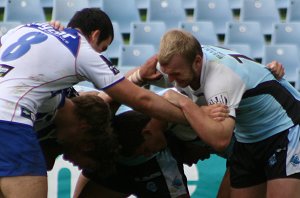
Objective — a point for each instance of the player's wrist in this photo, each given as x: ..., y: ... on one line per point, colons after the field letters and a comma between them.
x: 136, y: 78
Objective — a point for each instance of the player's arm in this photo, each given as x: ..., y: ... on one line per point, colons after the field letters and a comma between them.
x: 145, y: 101
x: 215, y: 133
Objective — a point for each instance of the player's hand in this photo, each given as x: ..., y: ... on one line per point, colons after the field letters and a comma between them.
x: 277, y: 69
x: 57, y: 25
x: 148, y: 71
x: 217, y: 112
x: 175, y: 97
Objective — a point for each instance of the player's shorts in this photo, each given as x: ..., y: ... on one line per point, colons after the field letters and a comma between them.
x: 275, y: 157
x: 161, y: 176
x: 20, y: 152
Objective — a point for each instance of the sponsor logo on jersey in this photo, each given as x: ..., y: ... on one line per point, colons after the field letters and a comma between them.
x: 151, y: 186
x: 295, y: 160
x: 4, y: 69
x: 69, y: 37
x: 176, y: 182
x: 219, y: 98
x: 26, y: 113
x: 110, y: 65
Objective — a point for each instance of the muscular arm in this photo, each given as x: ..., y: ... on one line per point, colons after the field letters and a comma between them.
x: 216, y: 134
x: 145, y: 101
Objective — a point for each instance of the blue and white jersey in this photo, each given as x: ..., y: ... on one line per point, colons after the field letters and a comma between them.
x: 261, y: 105
x: 37, y: 61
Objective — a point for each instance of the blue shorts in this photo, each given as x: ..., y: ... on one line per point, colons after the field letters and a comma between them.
x: 20, y: 152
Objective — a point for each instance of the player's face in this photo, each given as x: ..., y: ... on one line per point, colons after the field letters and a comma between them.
x: 70, y: 136
x: 154, y: 138
x: 102, y: 46
x: 179, y: 71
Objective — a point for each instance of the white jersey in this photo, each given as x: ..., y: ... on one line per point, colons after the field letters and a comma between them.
x: 261, y: 105
x: 37, y: 62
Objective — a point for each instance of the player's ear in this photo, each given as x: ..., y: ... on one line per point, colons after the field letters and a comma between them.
x: 95, y: 35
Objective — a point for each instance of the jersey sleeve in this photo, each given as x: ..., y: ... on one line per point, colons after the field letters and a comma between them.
x: 96, y: 68
x: 224, y: 86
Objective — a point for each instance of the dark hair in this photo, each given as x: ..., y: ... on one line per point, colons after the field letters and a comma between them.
x: 91, y: 19
x: 128, y: 127
x: 104, y: 145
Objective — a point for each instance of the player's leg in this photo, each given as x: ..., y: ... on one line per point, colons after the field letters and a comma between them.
x: 284, y: 171
x: 288, y: 187
x: 24, y: 186
x: 22, y: 165
x: 224, y: 189
x: 258, y: 191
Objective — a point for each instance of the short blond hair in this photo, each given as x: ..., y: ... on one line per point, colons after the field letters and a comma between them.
x: 178, y: 42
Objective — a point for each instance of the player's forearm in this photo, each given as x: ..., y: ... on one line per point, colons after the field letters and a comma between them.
x: 216, y: 134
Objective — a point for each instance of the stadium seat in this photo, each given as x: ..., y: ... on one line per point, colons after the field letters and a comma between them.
x: 189, y: 4
x: 169, y: 11
x: 122, y: 13
x: 135, y: 55
x: 282, y: 4
x: 95, y: 3
x: 47, y: 3
x: 147, y: 33
x: 286, y: 54
x: 216, y: 11
x: 240, y: 48
x: 246, y: 33
x: 263, y: 11
x: 5, y: 26
x: 235, y: 4
x: 204, y: 31
x: 63, y: 10
x: 286, y: 33
x: 293, y: 11
x: 142, y: 4
x: 113, y: 51
x: 24, y: 11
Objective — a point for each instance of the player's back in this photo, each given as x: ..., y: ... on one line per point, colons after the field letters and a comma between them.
x: 35, y: 59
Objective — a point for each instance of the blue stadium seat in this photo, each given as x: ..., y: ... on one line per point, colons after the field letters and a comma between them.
x: 147, y: 33
x: 293, y: 11
x: 122, y: 13
x: 204, y: 31
x: 282, y: 4
x: 47, y: 3
x: 95, y: 3
x: 219, y: 12
x: 135, y: 55
x: 25, y: 11
x: 286, y: 54
x: 240, y: 48
x: 246, y: 33
x: 5, y: 26
x: 235, y: 4
x: 113, y: 51
x: 263, y: 11
x: 189, y: 4
x: 169, y: 11
x: 286, y: 33
x: 63, y: 10
x: 2, y: 3
x: 142, y: 4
